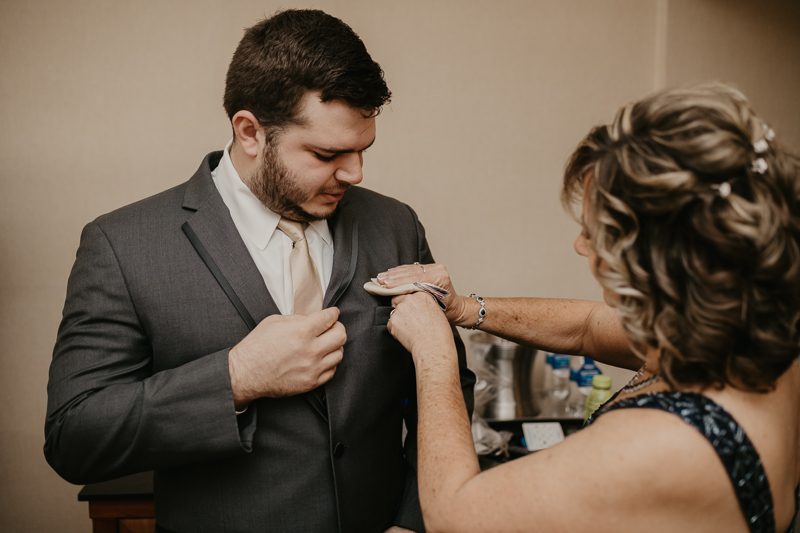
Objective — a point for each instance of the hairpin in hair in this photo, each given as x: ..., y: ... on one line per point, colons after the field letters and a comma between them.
x: 759, y: 165
x: 723, y: 189
x: 761, y: 146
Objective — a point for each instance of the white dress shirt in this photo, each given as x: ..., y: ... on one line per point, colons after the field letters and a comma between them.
x: 268, y: 246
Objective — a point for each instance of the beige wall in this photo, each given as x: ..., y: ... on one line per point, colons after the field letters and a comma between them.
x: 753, y: 44
x: 103, y: 103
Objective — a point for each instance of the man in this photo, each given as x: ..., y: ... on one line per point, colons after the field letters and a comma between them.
x: 218, y: 333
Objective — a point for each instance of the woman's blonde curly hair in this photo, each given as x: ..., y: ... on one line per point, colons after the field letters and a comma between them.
x: 711, y: 279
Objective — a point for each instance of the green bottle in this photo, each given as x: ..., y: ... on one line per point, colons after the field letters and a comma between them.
x: 600, y: 394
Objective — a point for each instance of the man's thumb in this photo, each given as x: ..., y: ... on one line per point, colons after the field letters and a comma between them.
x: 321, y: 321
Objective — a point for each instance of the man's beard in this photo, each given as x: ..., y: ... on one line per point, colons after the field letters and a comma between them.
x: 279, y: 189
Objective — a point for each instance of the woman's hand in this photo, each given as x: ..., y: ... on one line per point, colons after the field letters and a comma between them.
x: 420, y: 326
x: 434, y: 274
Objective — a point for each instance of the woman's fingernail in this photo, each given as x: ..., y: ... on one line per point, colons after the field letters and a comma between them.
x: 382, y: 276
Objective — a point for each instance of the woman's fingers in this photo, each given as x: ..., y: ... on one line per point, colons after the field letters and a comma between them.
x: 418, y: 321
x: 404, y: 274
x: 435, y: 274
x: 397, y: 300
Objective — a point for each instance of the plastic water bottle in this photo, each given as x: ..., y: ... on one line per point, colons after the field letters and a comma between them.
x: 560, y: 383
x: 575, y: 364
x: 582, y: 370
x: 547, y: 381
x: 600, y: 394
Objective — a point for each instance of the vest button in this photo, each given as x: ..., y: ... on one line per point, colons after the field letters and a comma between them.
x: 338, y: 450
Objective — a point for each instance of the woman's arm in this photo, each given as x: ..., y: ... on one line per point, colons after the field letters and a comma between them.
x: 575, y: 327
x: 629, y: 471
x: 423, y: 329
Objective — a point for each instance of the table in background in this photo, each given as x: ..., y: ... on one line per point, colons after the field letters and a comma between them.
x: 123, y: 505
x: 515, y: 449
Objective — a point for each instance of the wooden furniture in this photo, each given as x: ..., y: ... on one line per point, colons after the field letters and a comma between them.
x: 123, y: 505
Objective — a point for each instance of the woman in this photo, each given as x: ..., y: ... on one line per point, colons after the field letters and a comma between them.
x: 691, y: 224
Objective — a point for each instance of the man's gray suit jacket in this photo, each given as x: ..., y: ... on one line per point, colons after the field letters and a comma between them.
x: 159, y: 293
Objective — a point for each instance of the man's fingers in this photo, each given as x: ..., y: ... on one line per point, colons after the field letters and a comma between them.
x: 332, y: 359
x: 321, y: 321
x: 329, y: 364
x: 332, y: 339
x: 326, y: 376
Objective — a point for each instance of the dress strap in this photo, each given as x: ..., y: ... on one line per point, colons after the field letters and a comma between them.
x: 796, y: 509
x: 729, y: 440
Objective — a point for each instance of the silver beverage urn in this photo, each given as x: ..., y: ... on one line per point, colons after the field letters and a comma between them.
x: 504, y: 370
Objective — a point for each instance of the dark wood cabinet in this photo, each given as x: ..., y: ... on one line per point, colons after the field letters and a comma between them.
x: 123, y: 505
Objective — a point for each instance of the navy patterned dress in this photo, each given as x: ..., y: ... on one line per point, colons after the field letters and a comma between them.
x: 731, y: 444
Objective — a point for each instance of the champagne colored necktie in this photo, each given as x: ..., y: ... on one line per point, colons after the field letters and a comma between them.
x: 305, y: 280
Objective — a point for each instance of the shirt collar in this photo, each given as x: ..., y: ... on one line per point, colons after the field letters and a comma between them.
x: 246, y: 209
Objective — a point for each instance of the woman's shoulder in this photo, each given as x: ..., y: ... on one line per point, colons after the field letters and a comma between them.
x: 723, y: 441
x: 656, y: 440
x: 669, y: 467
x: 632, y: 468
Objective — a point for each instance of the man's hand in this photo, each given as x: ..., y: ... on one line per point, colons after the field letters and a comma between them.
x: 286, y: 355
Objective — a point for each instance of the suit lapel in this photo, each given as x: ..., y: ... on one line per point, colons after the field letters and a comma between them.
x: 214, y: 228
x: 344, y: 227
x: 345, y: 254
x: 345, y: 248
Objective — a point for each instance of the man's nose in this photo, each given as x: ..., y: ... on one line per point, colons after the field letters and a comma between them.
x: 349, y: 170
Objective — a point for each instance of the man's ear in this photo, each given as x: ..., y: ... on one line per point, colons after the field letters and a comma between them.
x: 247, y: 132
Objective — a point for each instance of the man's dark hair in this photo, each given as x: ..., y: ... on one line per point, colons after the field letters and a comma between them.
x: 295, y: 51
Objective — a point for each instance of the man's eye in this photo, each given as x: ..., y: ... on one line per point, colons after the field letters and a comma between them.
x: 325, y: 158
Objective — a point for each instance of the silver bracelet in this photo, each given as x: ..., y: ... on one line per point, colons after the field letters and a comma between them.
x: 481, y: 313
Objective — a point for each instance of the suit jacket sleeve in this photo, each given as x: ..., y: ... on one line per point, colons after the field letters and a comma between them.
x: 409, y: 515
x: 108, y: 414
